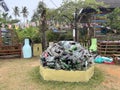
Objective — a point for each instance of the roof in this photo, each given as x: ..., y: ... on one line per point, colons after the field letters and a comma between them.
x: 112, y: 3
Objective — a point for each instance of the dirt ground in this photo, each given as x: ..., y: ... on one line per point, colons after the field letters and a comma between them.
x: 112, y: 76
x: 13, y: 75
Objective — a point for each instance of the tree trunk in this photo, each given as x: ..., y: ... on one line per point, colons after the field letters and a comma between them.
x: 43, y: 29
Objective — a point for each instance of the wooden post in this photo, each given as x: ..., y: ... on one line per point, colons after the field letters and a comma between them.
x: 76, y: 31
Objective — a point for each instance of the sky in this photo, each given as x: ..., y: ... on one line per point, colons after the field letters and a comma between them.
x: 31, y: 5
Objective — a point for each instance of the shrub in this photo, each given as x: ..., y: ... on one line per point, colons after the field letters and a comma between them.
x: 57, y: 36
x: 31, y: 32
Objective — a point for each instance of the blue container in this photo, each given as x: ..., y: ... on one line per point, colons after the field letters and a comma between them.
x: 27, y: 50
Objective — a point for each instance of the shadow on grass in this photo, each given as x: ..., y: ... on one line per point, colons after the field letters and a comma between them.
x: 97, y: 78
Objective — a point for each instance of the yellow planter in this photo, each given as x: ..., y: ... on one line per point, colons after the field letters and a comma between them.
x: 66, y: 76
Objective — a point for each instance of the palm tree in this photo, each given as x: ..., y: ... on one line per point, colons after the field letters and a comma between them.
x: 9, y: 18
x: 4, y: 15
x: 25, y: 13
x: 16, y: 12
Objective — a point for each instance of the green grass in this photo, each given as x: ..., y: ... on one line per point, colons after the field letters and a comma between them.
x: 55, y: 85
x: 23, y: 74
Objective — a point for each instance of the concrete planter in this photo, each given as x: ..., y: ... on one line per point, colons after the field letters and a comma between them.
x: 66, y: 76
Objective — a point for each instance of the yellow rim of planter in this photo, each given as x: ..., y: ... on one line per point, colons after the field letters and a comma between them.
x: 66, y: 76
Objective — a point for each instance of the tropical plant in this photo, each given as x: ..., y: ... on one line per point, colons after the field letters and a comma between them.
x: 16, y: 12
x: 14, y: 21
x: 31, y: 32
x: 4, y: 15
x: 25, y: 13
x: 10, y: 17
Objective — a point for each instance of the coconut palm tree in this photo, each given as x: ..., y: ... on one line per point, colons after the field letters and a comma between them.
x: 4, y: 15
x: 25, y: 13
x: 16, y: 12
x: 9, y: 18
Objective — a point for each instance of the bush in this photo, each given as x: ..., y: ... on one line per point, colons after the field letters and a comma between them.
x: 31, y: 32
x: 53, y: 36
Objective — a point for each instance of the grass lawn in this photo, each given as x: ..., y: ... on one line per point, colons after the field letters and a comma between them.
x: 23, y: 74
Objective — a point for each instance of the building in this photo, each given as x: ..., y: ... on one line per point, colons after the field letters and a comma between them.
x: 112, y: 3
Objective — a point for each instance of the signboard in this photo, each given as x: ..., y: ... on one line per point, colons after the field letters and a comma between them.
x: 4, y: 6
